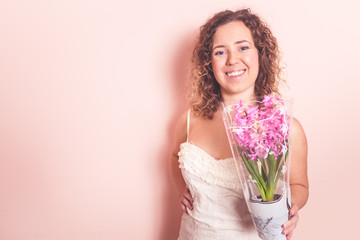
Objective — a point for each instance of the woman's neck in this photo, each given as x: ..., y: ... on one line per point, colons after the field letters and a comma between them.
x: 229, y: 99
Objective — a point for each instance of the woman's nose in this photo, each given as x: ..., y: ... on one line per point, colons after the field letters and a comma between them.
x: 233, y: 58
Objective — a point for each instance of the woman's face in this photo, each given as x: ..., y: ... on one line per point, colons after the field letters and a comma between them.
x: 235, y: 61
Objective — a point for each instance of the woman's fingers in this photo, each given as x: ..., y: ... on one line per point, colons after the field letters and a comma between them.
x: 289, y: 236
x: 290, y: 225
x: 294, y: 209
x: 186, y: 200
x: 184, y: 208
x: 188, y: 196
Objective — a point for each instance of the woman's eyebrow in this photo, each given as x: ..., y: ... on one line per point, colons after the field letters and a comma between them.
x: 218, y: 46
x: 237, y: 42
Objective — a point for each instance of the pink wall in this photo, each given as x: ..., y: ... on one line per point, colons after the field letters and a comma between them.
x: 90, y: 92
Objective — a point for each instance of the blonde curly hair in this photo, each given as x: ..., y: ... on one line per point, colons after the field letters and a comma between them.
x: 206, y: 95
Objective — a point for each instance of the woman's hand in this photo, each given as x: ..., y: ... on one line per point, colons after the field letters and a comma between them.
x: 290, y: 225
x: 186, y: 200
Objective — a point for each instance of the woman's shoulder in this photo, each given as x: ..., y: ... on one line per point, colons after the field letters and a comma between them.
x: 297, y: 127
x: 181, y: 127
x: 298, y: 133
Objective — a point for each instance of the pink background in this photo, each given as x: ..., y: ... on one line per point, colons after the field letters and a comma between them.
x: 90, y: 92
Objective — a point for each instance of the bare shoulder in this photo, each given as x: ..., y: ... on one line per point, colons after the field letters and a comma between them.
x: 181, y: 125
x: 180, y: 132
x: 298, y: 133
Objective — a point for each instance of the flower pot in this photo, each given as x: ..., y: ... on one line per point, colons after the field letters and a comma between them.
x: 268, y: 217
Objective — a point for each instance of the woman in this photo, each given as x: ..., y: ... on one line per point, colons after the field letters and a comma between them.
x: 236, y: 57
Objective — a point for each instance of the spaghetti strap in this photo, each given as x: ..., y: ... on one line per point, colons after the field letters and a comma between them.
x: 188, y: 126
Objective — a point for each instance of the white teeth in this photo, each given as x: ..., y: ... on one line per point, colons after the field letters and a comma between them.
x: 235, y: 74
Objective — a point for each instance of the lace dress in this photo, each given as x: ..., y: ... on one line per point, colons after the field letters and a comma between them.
x: 219, y: 209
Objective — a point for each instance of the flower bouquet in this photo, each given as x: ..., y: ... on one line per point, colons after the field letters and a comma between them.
x: 258, y: 133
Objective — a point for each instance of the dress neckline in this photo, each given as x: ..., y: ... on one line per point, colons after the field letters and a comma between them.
x: 206, y: 153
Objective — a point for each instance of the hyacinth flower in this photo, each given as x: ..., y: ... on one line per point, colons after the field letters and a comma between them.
x: 261, y: 132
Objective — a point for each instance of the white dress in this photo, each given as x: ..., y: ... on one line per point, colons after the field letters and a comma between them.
x: 219, y: 209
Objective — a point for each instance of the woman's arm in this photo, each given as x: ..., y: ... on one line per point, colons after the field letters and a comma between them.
x: 183, y: 193
x: 299, y: 184
x: 180, y: 137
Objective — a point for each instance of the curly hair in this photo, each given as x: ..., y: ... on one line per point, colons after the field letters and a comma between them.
x: 206, y: 94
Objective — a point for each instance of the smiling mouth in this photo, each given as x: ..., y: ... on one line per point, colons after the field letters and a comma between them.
x: 236, y: 73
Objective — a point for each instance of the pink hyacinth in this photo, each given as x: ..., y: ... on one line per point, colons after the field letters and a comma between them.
x: 262, y: 128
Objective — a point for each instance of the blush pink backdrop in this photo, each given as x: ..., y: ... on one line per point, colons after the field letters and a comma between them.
x: 90, y: 92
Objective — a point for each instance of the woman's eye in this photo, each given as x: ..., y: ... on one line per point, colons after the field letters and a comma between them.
x: 244, y: 48
x: 220, y: 53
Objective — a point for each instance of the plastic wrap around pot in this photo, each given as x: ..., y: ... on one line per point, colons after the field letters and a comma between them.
x: 259, y: 136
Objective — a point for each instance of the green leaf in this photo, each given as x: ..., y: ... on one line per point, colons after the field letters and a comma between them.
x: 254, y: 172
x: 272, y: 168
x: 281, y: 167
x: 278, y: 161
x: 279, y: 173
x: 257, y: 173
x: 263, y: 169
x: 286, y: 155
